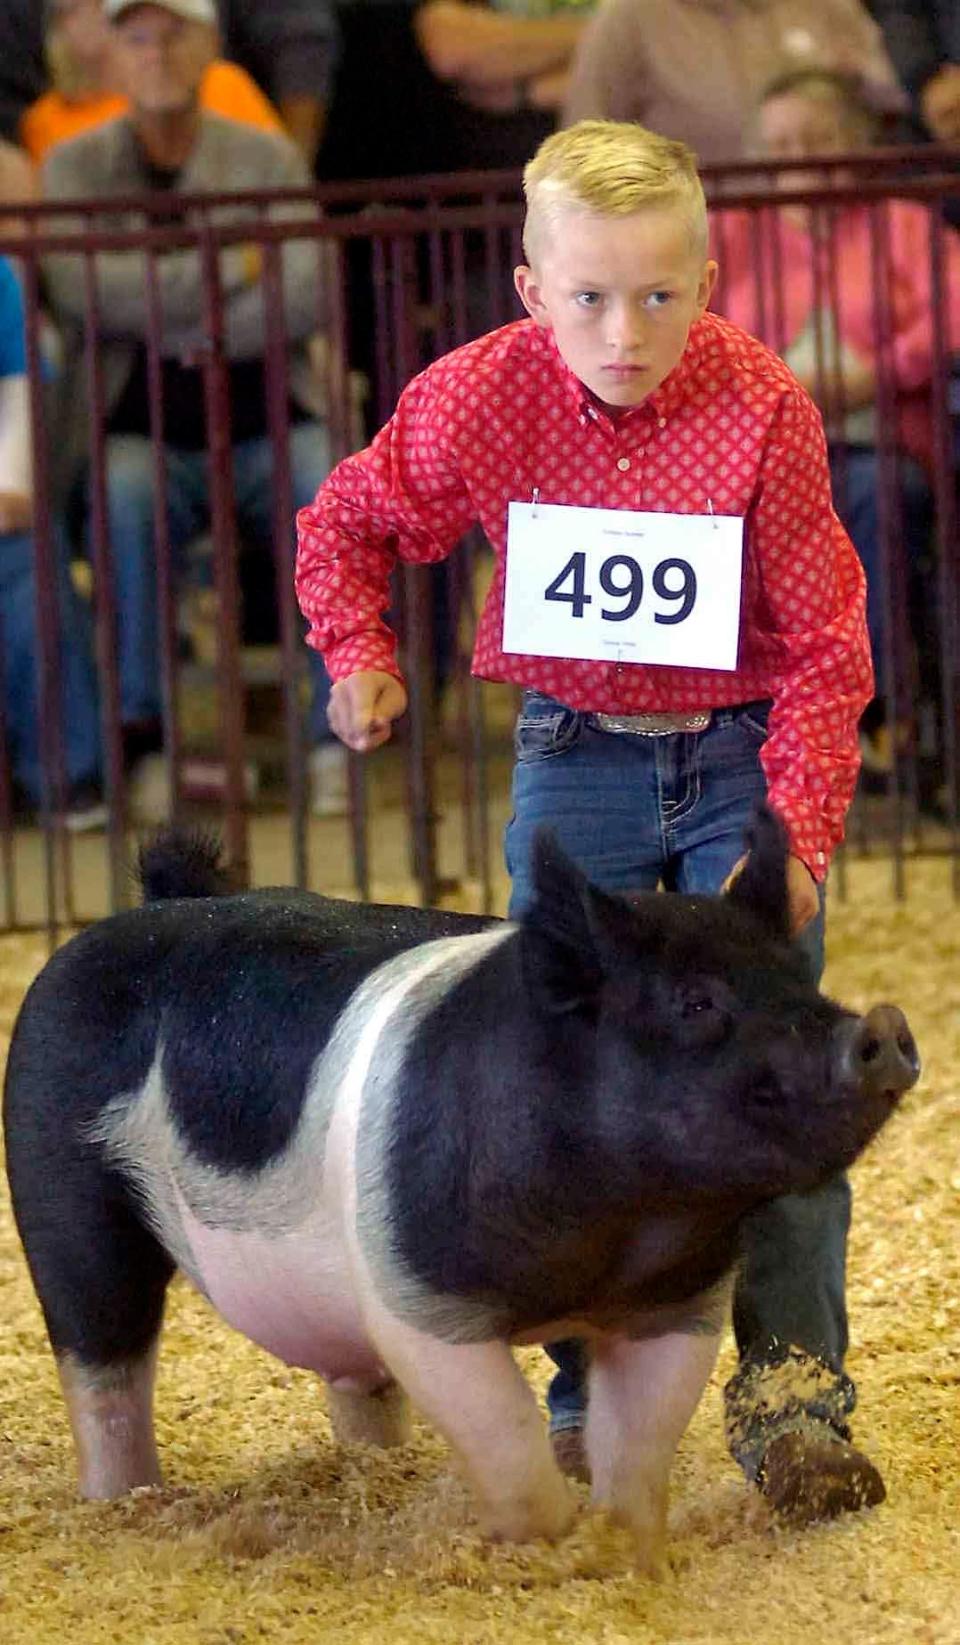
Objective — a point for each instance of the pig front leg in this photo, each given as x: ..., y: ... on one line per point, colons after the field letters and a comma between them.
x: 478, y: 1399
x: 642, y: 1396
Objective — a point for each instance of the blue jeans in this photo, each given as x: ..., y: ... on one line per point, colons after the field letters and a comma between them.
x: 856, y: 480
x: 635, y: 813
x: 131, y: 521
x: 21, y: 670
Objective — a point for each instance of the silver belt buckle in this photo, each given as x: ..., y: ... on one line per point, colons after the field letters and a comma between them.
x: 652, y: 725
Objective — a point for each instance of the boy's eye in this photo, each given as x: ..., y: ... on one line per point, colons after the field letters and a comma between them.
x: 658, y: 299
x: 587, y: 299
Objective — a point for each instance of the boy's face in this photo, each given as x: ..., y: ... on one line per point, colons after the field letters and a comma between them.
x: 620, y: 295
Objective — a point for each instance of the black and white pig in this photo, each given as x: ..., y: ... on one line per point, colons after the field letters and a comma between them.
x: 388, y: 1144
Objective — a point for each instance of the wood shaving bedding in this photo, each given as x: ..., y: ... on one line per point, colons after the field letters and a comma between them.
x: 265, y: 1531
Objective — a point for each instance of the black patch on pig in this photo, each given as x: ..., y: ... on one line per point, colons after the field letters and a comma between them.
x: 623, y: 1075
x: 243, y: 992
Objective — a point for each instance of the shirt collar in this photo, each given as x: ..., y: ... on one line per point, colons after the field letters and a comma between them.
x: 662, y: 403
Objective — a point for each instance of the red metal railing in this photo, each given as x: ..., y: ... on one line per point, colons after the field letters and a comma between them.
x: 403, y: 271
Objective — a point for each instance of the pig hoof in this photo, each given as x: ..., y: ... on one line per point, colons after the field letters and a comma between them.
x: 569, y: 1453
x: 807, y: 1477
x: 651, y: 1563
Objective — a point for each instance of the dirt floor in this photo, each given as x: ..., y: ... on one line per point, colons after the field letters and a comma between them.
x: 265, y: 1531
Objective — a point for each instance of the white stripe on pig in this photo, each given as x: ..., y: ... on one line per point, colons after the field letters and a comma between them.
x: 270, y: 1248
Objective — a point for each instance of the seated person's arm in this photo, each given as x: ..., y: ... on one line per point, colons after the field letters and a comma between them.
x: 304, y: 301
x: 121, y: 275
x: 481, y: 49
x: 304, y: 117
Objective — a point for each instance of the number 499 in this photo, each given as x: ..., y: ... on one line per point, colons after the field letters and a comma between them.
x: 628, y: 588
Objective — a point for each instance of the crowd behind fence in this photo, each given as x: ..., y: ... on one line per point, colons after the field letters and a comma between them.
x: 368, y: 284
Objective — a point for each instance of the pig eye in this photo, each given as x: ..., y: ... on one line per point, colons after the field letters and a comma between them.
x: 704, y: 1017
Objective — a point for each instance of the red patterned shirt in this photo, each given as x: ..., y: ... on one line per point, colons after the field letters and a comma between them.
x: 729, y: 429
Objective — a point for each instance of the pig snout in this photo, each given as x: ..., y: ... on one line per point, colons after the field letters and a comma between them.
x: 877, y: 1054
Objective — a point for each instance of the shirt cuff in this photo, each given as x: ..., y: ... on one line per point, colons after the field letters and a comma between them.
x: 359, y: 652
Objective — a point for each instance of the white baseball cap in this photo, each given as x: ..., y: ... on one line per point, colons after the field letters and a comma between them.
x: 195, y: 11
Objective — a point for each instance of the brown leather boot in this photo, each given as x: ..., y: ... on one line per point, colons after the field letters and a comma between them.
x: 807, y: 1477
x: 570, y: 1453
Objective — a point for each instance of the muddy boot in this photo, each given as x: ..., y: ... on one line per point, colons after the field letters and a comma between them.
x: 570, y: 1453
x: 812, y: 1474
x: 786, y: 1425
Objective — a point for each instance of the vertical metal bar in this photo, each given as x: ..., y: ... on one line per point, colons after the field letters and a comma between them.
x: 6, y: 810
x: 385, y: 388
x: 223, y: 521
x: 759, y: 279
x: 493, y: 268
x: 166, y: 568
x: 104, y: 604
x: 887, y: 500
x: 459, y: 308
x: 779, y: 335
x: 346, y: 437
x: 50, y: 699
x: 948, y: 548
x: 418, y: 612
x: 277, y: 385
x: 439, y: 301
x: 476, y: 791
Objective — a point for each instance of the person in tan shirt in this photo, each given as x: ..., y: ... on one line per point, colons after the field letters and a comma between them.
x: 85, y: 90
x: 694, y: 69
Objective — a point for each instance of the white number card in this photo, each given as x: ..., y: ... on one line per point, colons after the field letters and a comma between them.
x: 621, y: 586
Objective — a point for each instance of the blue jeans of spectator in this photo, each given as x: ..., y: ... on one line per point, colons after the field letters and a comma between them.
x: 635, y: 812
x: 131, y: 521
x: 21, y: 669
x: 856, y: 481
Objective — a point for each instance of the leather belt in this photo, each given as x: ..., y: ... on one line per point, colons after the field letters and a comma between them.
x: 650, y: 725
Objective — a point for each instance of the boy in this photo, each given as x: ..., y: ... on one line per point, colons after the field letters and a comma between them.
x: 621, y: 393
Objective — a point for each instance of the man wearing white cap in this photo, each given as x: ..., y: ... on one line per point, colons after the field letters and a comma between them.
x: 168, y: 142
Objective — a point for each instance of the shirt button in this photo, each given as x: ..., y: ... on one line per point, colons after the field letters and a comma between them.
x: 661, y: 422
x: 623, y: 463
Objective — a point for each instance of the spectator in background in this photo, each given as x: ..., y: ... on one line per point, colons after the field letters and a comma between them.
x: 289, y: 47
x: 441, y: 85
x: 18, y: 605
x: 693, y: 69
x: 23, y: 74
x: 84, y: 89
x: 812, y: 114
x: 923, y: 39
x: 168, y: 142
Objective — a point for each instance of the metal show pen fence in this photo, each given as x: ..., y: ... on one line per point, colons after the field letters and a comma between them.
x: 393, y: 274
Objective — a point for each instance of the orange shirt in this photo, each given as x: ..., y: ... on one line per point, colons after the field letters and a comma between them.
x: 226, y: 89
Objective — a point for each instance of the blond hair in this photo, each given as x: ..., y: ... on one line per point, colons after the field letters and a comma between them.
x: 610, y: 168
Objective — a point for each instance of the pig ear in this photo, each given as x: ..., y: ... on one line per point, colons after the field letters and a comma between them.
x: 560, y: 957
x: 762, y: 884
